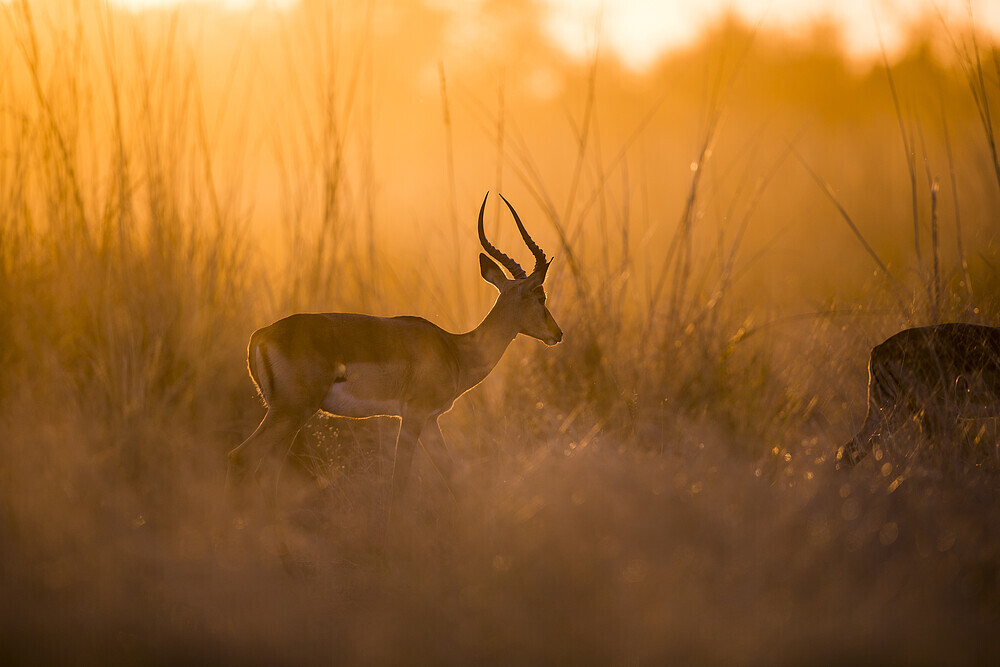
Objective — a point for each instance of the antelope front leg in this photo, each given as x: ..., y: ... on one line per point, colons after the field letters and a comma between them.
x: 409, y: 431
x: 437, y: 451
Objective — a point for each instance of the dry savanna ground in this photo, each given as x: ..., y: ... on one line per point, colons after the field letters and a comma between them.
x: 732, y: 231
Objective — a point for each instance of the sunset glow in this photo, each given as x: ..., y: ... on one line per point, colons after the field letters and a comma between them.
x: 283, y: 380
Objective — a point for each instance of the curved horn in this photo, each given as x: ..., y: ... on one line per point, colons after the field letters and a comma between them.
x: 532, y: 246
x: 513, y: 267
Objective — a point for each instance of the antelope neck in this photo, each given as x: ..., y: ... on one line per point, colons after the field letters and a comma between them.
x: 480, y: 349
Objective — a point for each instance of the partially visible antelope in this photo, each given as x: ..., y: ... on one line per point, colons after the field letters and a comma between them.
x: 937, y: 375
x: 360, y: 366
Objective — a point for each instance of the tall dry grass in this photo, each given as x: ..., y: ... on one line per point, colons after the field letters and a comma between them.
x: 732, y: 232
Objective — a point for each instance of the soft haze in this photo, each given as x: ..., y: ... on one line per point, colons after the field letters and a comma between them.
x: 732, y: 230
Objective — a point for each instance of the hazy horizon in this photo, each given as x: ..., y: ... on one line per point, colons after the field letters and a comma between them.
x: 640, y: 32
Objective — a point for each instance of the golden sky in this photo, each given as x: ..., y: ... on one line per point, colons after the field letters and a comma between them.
x: 640, y: 30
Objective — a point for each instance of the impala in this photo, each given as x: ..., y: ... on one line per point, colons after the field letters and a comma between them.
x: 937, y: 375
x: 360, y: 366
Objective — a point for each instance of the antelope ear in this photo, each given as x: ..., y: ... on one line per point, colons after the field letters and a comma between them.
x: 492, y: 273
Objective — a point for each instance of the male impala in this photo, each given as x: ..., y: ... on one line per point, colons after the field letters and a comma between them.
x: 938, y: 375
x: 364, y: 366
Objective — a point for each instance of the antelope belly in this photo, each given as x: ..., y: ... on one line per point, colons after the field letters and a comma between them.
x: 359, y: 395
x: 341, y: 402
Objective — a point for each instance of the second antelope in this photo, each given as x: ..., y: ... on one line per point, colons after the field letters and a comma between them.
x: 361, y: 366
x: 938, y: 375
